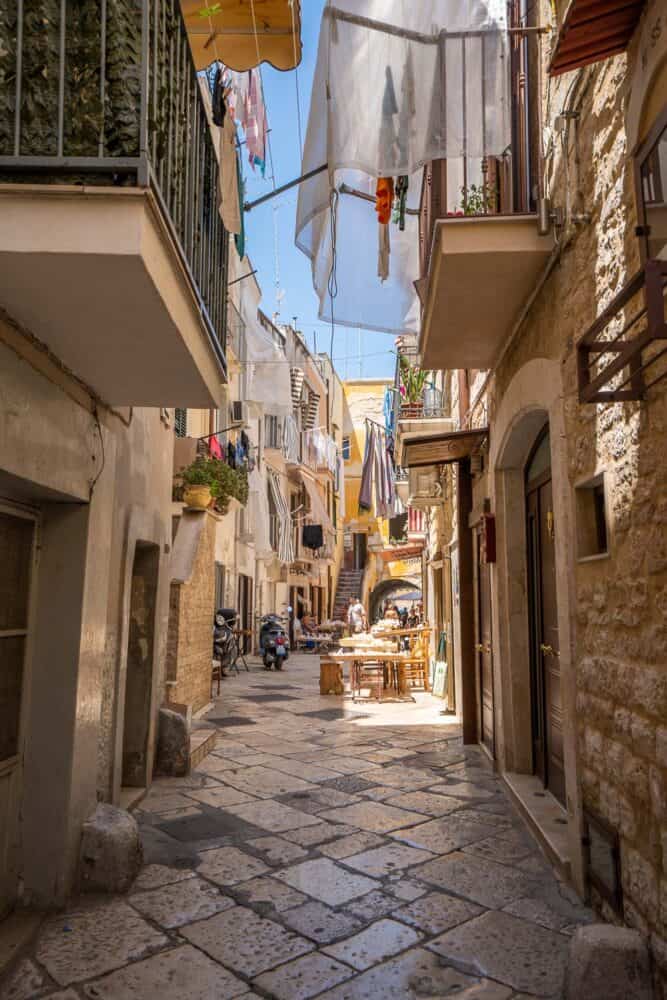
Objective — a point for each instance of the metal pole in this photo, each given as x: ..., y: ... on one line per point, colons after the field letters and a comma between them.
x: 249, y: 205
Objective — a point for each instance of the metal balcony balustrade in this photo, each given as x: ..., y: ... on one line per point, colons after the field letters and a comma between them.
x: 106, y: 93
x: 618, y: 366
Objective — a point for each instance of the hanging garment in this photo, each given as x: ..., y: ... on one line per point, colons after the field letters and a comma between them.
x: 388, y: 409
x: 384, y: 196
x: 245, y: 442
x: 218, y: 106
x: 312, y: 536
x: 240, y: 453
x: 285, y: 539
x: 384, y: 250
x: 366, y: 488
x: 230, y: 204
x: 239, y: 238
x: 341, y: 487
x: 380, y: 476
x: 255, y: 131
x: 231, y: 455
x: 400, y: 202
x: 214, y: 447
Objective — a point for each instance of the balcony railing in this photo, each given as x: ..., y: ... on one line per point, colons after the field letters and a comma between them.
x: 619, y: 357
x: 107, y: 94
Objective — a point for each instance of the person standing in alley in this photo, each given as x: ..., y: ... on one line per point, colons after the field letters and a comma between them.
x: 356, y: 616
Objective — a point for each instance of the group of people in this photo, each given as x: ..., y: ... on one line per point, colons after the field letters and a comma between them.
x: 357, y: 619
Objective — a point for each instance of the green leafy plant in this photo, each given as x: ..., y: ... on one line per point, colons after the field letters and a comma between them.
x: 224, y: 482
x: 413, y: 380
x: 478, y: 199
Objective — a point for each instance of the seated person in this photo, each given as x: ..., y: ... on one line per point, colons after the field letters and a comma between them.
x: 309, y: 624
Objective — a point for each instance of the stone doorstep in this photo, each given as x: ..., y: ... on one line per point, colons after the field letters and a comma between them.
x: 202, y: 742
x: 542, y: 813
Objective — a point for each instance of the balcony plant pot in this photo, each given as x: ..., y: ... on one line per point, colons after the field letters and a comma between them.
x: 198, y: 497
x: 411, y: 411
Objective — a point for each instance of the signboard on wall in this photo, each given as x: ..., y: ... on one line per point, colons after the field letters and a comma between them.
x: 442, y: 448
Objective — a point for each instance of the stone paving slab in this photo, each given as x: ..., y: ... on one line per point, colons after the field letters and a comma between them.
x: 265, y: 782
x: 425, y: 802
x: 417, y: 975
x: 385, y: 860
x: 153, y: 876
x: 275, y: 895
x: 277, y: 851
x: 437, y: 912
x: 228, y: 865
x: 246, y: 942
x: 326, y: 881
x: 481, y: 881
x: 320, y: 922
x: 273, y: 816
x: 181, y: 973
x: 373, y: 905
x: 314, y: 835
x: 377, y: 817
x: 354, y: 844
x: 88, y: 942
x: 520, y: 954
x: 303, y: 978
x: 374, y: 944
x: 174, y: 905
x: 446, y: 834
x: 221, y: 797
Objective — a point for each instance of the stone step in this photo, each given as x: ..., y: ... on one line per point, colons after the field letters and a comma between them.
x: 202, y: 741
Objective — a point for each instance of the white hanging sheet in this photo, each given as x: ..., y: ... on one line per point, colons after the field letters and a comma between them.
x: 267, y: 370
x: 422, y: 81
x: 259, y: 512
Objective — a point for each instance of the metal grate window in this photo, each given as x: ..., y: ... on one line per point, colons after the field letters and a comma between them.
x: 180, y: 422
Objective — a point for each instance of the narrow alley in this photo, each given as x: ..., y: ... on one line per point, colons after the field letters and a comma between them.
x: 335, y: 849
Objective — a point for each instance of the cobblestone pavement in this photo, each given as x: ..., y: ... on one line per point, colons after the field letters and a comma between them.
x: 325, y: 849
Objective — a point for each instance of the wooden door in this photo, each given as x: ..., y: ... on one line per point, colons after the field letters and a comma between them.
x: 359, y: 550
x: 546, y: 693
x: 484, y: 650
x: 17, y: 546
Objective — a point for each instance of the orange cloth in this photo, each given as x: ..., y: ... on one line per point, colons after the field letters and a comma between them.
x: 384, y: 198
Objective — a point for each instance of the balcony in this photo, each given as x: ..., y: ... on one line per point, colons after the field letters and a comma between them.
x: 481, y: 253
x: 112, y: 250
x: 420, y: 407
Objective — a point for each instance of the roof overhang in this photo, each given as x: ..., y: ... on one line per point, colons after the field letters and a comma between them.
x: 483, y: 270
x: 442, y: 449
x: 593, y: 30
x: 243, y: 34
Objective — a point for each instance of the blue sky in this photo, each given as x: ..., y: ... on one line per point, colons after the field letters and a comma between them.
x: 270, y: 227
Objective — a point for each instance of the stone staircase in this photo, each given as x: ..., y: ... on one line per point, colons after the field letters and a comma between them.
x: 349, y: 585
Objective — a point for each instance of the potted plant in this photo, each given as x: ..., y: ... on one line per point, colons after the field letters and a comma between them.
x: 198, y: 480
x: 412, y: 382
x: 230, y: 487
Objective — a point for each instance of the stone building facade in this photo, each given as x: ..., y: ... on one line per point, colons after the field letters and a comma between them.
x: 563, y: 674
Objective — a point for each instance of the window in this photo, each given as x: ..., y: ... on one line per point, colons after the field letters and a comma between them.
x: 346, y: 449
x: 653, y: 171
x: 272, y: 431
x: 180, y: 422
x: 592, y: 537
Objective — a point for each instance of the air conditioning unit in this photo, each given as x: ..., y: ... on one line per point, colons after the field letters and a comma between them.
x: 239, y: 413
x: 425, y: 488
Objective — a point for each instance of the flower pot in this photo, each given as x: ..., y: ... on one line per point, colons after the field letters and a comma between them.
x: 197, y: 496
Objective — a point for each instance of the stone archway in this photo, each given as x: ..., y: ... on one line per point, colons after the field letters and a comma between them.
x: 385, y: 589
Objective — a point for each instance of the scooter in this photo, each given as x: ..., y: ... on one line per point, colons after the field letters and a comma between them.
x: 274, y: 642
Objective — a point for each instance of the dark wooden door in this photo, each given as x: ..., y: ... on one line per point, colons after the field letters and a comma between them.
x: 484, y: 652
x: 359, y: 550
x: 546, y: 693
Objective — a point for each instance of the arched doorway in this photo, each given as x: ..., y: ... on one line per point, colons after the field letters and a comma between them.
x: 544, y: 644
x: 392, y: 588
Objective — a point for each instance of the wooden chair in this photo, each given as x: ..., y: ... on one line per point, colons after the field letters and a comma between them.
x: 370, y: 674
x: 216, y: 673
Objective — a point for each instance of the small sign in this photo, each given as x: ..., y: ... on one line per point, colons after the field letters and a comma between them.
x: 442, y: 449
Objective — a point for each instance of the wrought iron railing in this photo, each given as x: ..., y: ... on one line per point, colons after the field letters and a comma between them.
x: 105, y: 92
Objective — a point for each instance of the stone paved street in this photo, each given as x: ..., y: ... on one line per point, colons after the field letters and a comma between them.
x: 325, y: 849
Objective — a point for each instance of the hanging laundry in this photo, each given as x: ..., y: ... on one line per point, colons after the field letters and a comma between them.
x: 231, y: 211
x: 218, y: 105
x: 384, y: 196
x: 239, y: 238
x: 366, y: 488
x: 388, y: 409
x: 255, y: 130
x: 214, y: 447
x: 384, y: 251
x: 400, y: 201
x: 231, y: 455
x: 312, y: 536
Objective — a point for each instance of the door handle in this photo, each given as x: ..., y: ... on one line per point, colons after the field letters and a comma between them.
x: 548, y: 650
x: 479, y: 647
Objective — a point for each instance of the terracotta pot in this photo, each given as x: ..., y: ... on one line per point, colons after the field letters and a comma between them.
x: 197, y: 496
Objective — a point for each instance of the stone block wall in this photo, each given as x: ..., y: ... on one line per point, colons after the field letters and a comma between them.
x: 620, y: 613
x: 190, y: 634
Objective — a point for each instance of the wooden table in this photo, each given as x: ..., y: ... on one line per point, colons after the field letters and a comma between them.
x: 388, y: 659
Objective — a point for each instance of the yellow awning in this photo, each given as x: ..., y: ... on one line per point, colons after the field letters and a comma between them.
x: 244, y: 33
